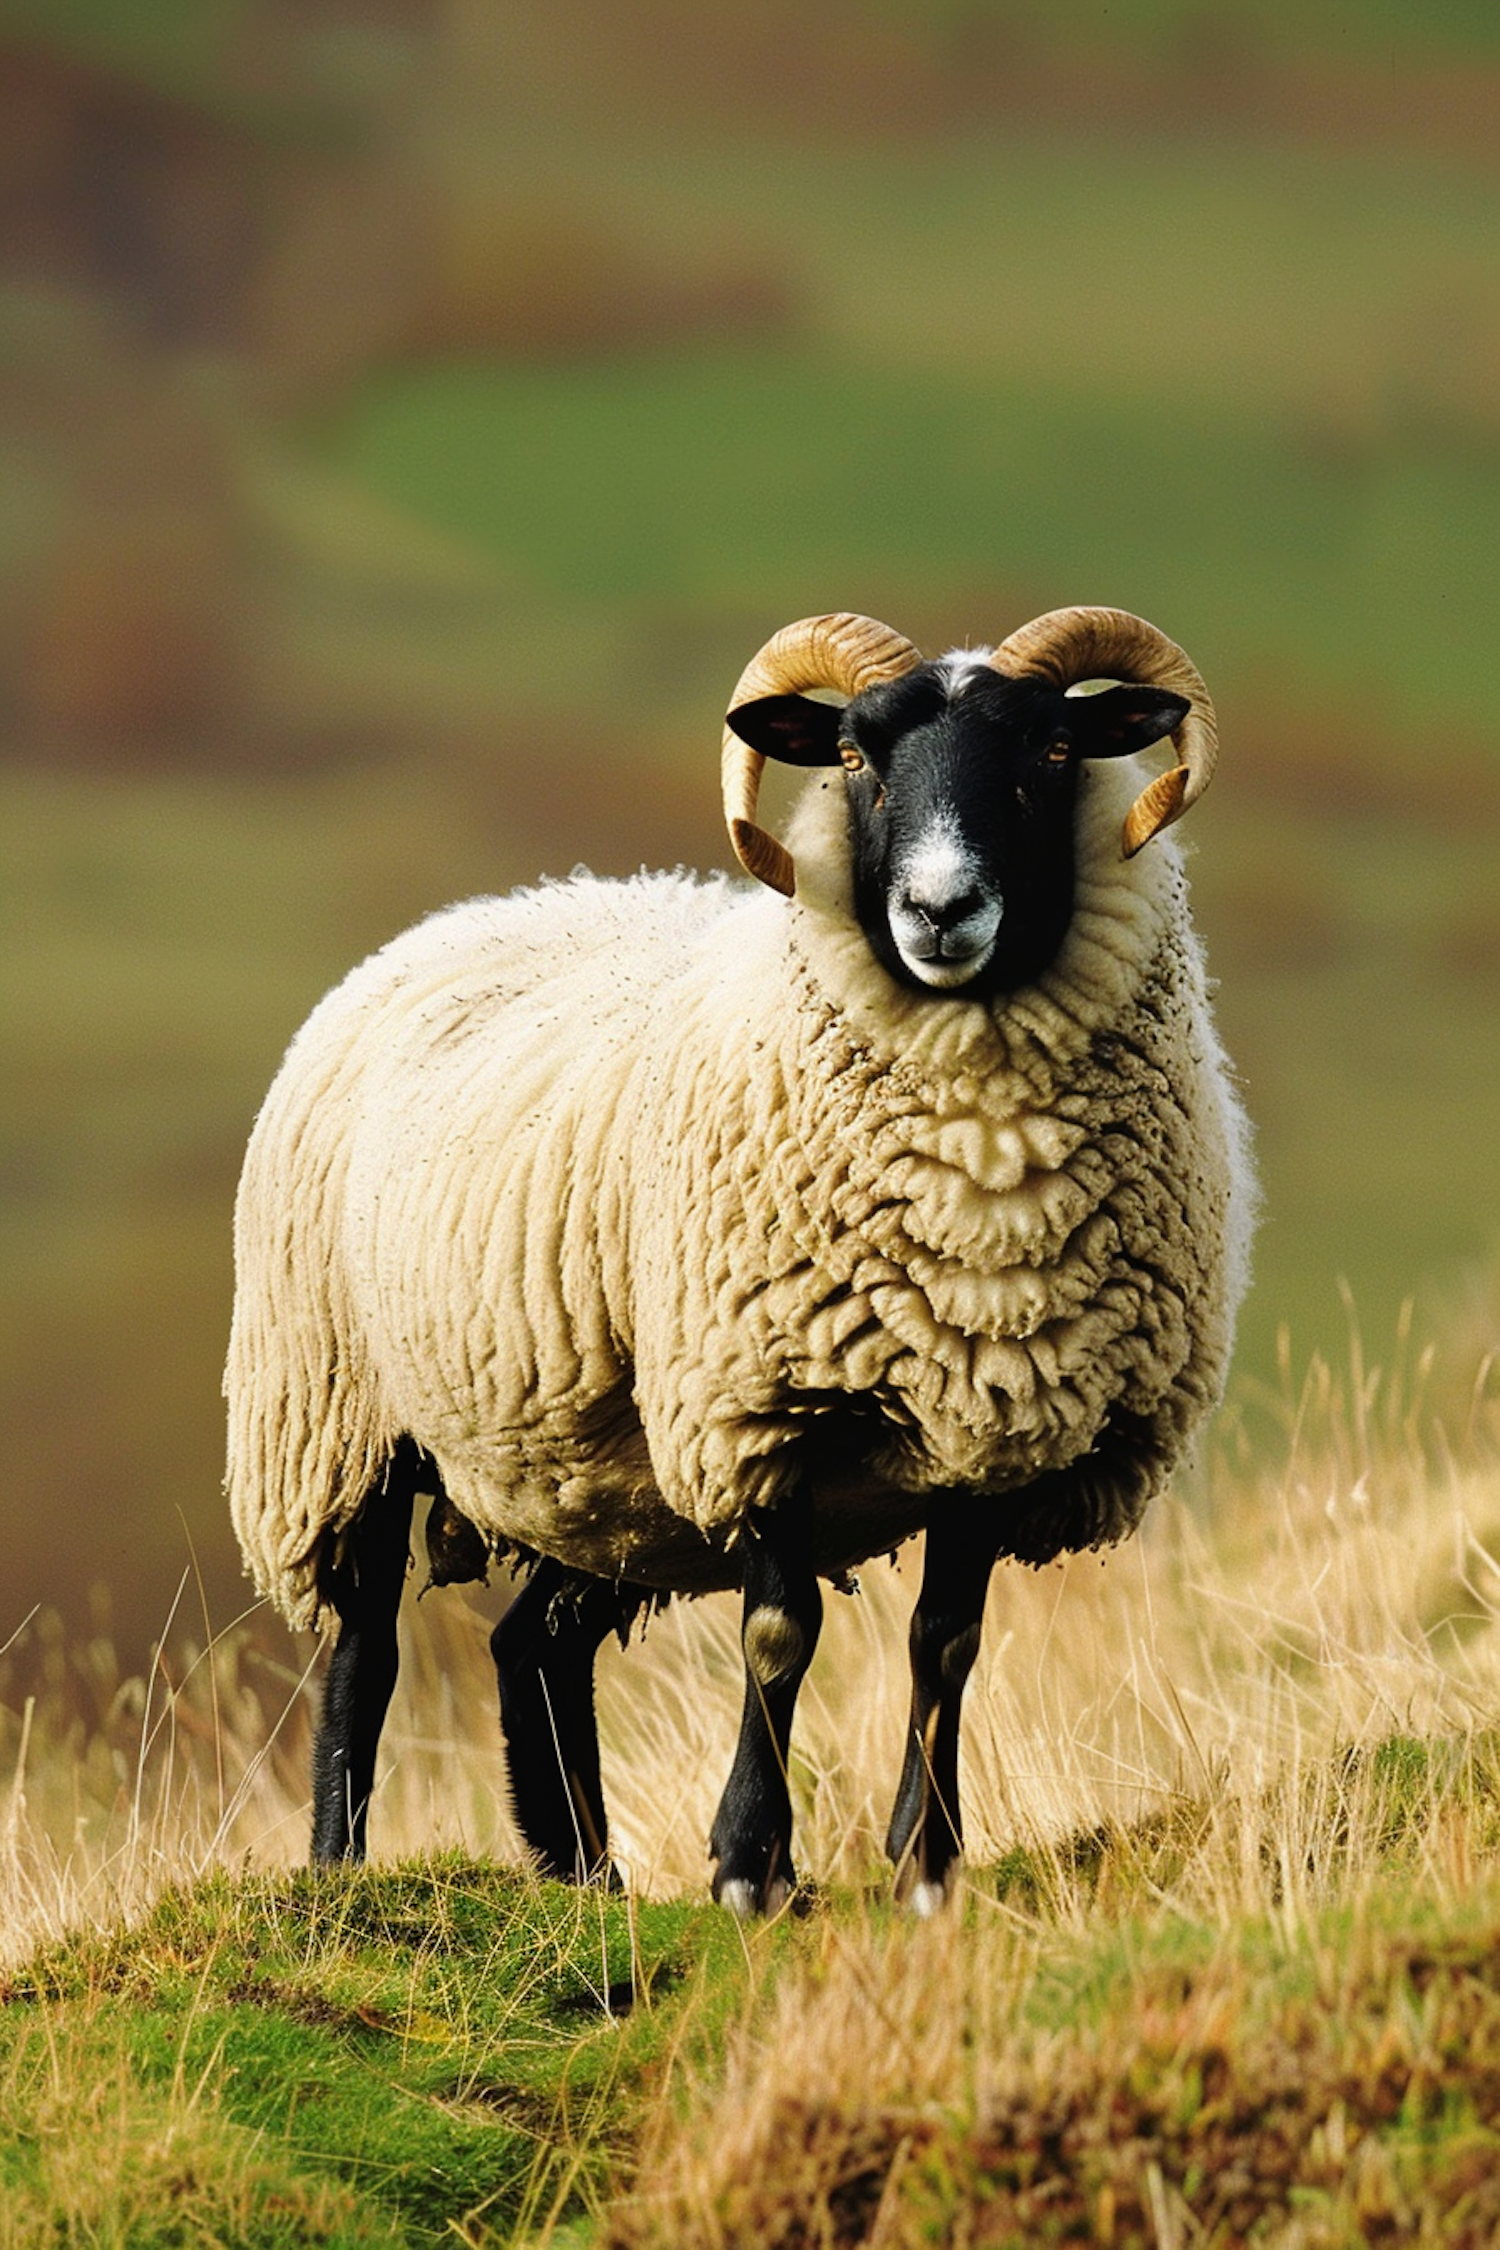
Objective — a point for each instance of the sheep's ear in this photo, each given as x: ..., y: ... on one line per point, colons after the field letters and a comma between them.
x: 1120, y: 719
x: 792, y: 728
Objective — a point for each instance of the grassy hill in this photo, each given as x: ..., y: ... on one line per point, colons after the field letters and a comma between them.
x: 382, y: 2059
x: 1086, y: 2051
x: 1221, y: 1967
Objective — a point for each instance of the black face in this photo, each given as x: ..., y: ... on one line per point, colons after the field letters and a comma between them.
x: 962, y: 788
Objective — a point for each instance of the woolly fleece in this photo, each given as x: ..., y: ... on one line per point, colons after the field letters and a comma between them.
x: 637, y: 1204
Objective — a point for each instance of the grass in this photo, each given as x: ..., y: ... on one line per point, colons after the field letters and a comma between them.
x: 441, y: 2048
x: 1322, y: 2077
x: 712, y: 477
x: 1222, y: 1967
x: 1098, y: 2044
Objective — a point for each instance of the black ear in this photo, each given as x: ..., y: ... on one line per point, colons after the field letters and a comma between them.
x: 1120, y: 719
x: 790, y: 727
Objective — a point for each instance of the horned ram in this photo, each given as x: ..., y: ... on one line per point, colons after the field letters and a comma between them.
x: 677, y: 1235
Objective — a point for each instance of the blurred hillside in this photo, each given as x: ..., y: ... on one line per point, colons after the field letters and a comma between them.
x: 413, y: 413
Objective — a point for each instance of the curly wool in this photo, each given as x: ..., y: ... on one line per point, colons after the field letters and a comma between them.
x: 636, y: 1203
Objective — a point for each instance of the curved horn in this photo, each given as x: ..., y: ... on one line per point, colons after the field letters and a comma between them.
x: 1068, y: 645
x: 843, y: 652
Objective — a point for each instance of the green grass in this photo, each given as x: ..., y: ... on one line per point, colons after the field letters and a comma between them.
x: 1376, y: 28
x: 394, y: 2056
x: 446, y: 2050
x: 797, y: 482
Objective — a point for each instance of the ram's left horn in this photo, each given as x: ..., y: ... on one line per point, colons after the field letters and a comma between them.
x: 842, y: 652
x: 1069, y: 645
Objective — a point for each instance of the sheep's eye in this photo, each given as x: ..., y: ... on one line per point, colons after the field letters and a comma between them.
x: 850, y: 758
x: 1059, y: 750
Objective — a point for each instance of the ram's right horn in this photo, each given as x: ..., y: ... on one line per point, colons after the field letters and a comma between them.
x: 843, y: 652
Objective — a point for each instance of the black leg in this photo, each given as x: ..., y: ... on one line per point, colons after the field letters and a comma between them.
x: 926, y: 1831
x: 365, y: 1590
x: 752, y: 1832
x: 544, y: 1649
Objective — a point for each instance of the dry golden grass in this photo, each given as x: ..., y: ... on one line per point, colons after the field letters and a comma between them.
x: 1331, y: 2080
x: 1329, y: 1584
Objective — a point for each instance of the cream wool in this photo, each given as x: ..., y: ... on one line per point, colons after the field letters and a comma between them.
x: 629, y: 1201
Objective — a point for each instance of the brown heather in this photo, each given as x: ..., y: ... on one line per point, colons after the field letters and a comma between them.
x: 912, y: 2096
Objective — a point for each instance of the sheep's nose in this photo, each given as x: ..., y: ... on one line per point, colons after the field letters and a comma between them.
x: 949, y: 927
x: 946, y: 913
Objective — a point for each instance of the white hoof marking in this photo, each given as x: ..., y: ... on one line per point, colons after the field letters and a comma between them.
x: 744, y: 1901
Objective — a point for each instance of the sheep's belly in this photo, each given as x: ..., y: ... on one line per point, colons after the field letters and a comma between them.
x: 613, y: 1523
x: 594, y: 1508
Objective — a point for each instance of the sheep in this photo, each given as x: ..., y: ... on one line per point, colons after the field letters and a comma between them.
x: 677, y: 1236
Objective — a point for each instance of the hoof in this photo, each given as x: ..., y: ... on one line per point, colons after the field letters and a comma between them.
x: 750, y: 1902
x: 920, y: 1894
x: 345, y: 1859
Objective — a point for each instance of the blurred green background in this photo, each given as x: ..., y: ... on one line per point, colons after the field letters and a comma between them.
x: 414, y: 412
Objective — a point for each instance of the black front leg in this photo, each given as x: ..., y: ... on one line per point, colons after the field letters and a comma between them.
x: 365, y: 1589
x: 544, y: 1649
x: 751, y: 1837
x: 926, y: 1831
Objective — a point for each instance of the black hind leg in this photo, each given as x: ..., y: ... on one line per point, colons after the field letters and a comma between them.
x: 365, y: 1590
x: 544, y: 1649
